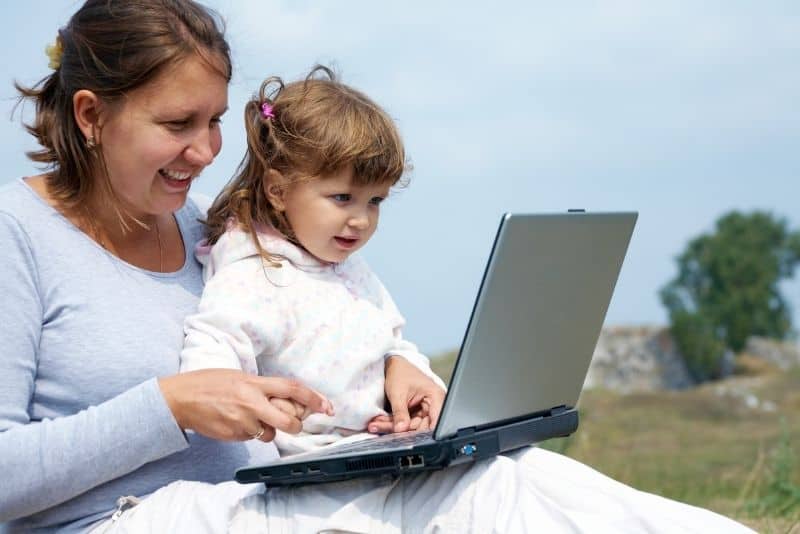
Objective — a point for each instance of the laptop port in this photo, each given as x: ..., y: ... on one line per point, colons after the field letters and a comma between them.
x: 297, y: 472
x: 410, y: 462
x: 313, y: 470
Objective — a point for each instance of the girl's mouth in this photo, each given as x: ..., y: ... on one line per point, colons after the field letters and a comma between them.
x: 346, y: 242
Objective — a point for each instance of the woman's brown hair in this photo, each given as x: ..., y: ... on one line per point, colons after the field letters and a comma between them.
x: 305, y: 129
x: 111, y: 47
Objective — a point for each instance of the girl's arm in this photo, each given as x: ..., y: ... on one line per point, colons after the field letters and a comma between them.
x: 403, y: 347
x: 414, y: 391
x: 237, y: 319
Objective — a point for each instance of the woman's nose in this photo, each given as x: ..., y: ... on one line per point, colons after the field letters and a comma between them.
x: 203, y: 149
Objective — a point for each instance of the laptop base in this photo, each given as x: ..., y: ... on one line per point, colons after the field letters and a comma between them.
x: 466, y: 446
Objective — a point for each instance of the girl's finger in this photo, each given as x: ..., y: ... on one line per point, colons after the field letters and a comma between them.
x: 415, y: 422
x: 380, y: 427
x: 435, y: 400
x: 425, y: 424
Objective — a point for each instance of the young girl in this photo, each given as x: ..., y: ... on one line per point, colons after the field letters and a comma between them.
x: 285, y: 294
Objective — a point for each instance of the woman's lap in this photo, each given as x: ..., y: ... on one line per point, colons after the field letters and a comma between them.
x: 182, y: 506
x: 531, y: 489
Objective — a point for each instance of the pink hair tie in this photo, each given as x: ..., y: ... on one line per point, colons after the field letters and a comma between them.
x: 266, y: 111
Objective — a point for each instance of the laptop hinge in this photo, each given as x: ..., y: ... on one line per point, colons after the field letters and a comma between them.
x: 465, y: 432
x: 558, y: 410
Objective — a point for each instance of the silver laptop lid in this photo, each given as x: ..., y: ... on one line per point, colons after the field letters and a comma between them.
x: 537, y: 317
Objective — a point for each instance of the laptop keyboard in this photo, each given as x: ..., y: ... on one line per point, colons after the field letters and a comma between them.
x: 387, y: 441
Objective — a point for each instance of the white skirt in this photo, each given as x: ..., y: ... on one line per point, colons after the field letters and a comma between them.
x: 531, y: 490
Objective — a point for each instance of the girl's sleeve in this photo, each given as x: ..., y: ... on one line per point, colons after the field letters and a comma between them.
x: 403, y: 347
x: 237, y: 319
x: 44, y: 463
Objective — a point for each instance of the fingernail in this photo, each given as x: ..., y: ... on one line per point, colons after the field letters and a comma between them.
x: 373, y: 429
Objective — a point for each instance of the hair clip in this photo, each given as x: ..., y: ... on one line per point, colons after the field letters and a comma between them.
x: 266, y: 111
x: 54, y: 52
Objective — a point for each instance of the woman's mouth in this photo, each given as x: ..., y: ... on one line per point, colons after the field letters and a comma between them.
x: 176, y: 179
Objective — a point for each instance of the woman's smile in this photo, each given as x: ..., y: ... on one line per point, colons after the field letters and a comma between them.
x: 178, y: 180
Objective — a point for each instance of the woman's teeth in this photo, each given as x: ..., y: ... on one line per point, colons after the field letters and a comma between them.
x: 175, y: 175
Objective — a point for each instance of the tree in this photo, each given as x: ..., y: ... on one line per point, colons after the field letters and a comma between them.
x: 727, y: 288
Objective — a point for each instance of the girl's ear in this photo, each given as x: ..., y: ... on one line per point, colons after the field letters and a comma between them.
x: 87, y: 105
x: 275, y: 187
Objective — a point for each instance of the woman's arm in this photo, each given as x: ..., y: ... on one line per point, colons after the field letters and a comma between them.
x: 49, y: 461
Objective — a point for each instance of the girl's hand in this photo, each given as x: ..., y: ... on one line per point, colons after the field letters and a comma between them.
x: 416, y: 400
x: 291, y: 407
x: 231, y: 405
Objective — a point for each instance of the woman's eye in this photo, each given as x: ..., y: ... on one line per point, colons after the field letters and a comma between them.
x: 216, y: 122
x: 341, y: 197
x: 376, y: 200
x: 177, y: 124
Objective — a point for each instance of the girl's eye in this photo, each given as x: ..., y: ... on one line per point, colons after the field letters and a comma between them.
x: 341, y: 197
x: 216, y: 122
x: 376, y: 200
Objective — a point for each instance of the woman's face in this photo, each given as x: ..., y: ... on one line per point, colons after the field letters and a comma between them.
x: 162, y: 135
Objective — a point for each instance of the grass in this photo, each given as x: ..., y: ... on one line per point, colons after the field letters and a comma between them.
x: 731, y: 446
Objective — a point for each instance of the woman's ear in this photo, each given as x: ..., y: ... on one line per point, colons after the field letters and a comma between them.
x: 275, y: 187
x: 87, y: 105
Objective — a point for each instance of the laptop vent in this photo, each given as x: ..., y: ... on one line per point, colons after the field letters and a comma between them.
x: 369, y: 463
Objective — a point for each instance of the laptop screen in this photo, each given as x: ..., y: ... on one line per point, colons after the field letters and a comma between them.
x: 537, y: 316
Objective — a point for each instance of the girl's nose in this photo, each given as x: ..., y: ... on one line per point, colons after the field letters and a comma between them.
x: 359, y: 221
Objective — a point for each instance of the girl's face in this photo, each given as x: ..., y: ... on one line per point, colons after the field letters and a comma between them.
x: 162, y: 135
x: 330, y: 216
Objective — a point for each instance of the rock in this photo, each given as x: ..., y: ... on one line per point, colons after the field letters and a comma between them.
x: 783, y: 354
x: 639, y: 358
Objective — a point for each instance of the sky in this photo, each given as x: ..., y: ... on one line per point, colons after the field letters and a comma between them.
x: 680, y: 110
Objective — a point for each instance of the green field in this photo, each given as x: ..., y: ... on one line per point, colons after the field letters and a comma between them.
x: 731, y: 446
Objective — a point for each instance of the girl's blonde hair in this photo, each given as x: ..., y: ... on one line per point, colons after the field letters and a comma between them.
x: 305, y: 129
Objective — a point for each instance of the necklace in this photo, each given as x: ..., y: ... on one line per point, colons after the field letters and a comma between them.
x: 95, y: 234
x: 160, y: 248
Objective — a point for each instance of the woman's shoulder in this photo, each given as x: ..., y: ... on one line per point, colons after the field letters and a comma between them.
x: 23, y: 210
x: 191, y: 219
x: 18, y: 199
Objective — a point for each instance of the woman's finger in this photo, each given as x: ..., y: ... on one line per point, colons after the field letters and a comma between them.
x: 269, y: 415
x: 288, y: 388
x: 266, y: 434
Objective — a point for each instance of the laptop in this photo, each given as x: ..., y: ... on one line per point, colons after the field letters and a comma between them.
x: 523, y: 360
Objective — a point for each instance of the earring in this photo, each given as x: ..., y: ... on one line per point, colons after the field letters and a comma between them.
x: 90, y: 142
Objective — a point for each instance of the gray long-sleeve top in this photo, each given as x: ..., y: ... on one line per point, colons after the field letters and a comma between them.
x: 82, y: 337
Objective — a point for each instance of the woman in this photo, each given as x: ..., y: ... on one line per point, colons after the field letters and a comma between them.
x: 98, y: 276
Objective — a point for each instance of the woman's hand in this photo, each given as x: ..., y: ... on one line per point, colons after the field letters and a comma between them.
x: 231, y: 405
x: 416, y: 400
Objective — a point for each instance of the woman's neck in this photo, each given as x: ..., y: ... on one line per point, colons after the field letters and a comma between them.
x: 148, y: 241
